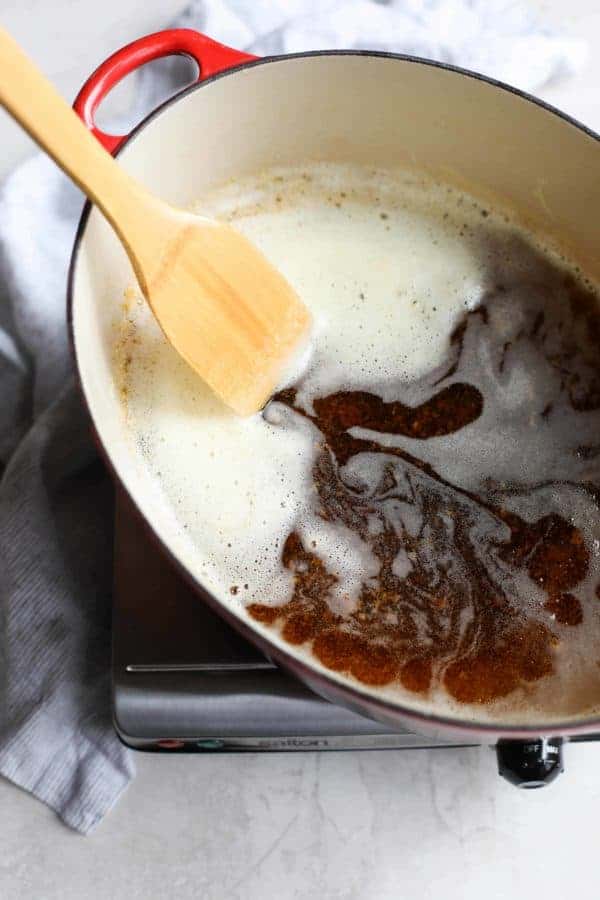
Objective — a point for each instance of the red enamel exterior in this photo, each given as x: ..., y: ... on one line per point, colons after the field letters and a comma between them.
x: 210, y: 56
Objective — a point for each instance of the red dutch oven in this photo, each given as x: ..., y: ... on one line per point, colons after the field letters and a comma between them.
x: 245, y: 114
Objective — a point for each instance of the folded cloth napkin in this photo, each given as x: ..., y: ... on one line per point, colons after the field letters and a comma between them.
x: 56, y: 738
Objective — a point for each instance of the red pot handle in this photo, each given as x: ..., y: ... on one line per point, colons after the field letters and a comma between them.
x: 210, y: 56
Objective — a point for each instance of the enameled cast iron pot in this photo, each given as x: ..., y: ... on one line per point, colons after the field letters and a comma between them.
x: 244, y: 114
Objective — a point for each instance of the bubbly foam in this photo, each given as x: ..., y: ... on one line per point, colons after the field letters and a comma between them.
x: 396, y: 270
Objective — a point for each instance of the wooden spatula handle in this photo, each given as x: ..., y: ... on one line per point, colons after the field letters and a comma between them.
x: 32, y: 100
x: 221, y: 304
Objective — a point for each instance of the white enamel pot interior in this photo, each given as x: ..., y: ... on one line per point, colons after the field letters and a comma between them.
x: 359, y: 107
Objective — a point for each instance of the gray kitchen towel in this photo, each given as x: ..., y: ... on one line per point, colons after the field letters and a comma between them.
x: 56, y: 738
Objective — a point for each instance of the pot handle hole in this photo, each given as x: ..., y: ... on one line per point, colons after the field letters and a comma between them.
x: 210, y: 57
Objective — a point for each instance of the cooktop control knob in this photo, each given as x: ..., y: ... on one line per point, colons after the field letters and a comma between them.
x: 530, y: 764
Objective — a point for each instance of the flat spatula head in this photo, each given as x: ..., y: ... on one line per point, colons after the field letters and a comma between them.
x: 231, y: 315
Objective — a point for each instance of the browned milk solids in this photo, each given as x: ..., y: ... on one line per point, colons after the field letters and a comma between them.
x: 453, y: 610
x: 418, y: 510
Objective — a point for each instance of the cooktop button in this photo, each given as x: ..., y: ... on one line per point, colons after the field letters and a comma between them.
x: 530, y: 764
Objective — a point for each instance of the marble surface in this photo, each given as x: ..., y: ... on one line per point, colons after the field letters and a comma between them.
x: 392, y: 824
x: 388, y: 825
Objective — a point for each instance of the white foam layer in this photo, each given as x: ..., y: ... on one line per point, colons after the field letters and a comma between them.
x: 382, y: 301
x: 383, y: 273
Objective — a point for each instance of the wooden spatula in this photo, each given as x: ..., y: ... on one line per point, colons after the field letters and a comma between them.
x: 221, y: 304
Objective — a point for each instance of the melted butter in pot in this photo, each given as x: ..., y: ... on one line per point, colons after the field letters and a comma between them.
x: 419, y: 510
x: 456, y: 606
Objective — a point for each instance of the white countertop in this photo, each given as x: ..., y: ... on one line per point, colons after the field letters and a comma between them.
x: 388, y: 824
x: 381, y: 825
